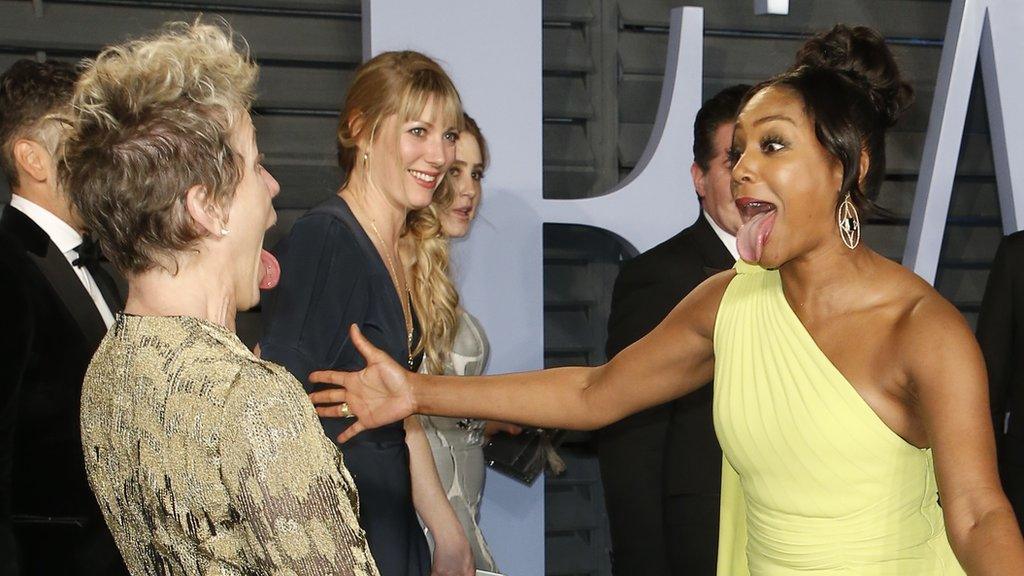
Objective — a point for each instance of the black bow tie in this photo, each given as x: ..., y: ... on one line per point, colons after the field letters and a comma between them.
x: 90, y: 257
x: 89, y: 254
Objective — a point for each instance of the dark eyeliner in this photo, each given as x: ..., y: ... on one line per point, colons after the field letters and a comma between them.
x: 769, y: 139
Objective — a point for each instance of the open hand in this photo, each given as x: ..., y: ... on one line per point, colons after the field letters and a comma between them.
x: 376, y: 395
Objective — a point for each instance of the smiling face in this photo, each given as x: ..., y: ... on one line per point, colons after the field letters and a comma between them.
x: 407, y: 160
x: 784, y: 182
x: 249, y: 217
x: 465, y: 177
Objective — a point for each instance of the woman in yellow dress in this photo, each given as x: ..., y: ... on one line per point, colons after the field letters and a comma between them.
x: 850, y: 397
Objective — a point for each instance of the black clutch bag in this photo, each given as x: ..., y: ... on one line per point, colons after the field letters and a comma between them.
x: 524, y: 456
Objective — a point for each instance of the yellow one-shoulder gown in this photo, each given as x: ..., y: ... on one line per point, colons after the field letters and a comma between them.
x: 814, y: 482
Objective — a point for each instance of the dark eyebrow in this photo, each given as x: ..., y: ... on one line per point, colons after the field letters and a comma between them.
x: 774, y: 117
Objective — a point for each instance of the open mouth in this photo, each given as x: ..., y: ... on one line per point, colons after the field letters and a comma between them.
x: 425, y: 179
x: 758, y: 221
x: 464, y: 212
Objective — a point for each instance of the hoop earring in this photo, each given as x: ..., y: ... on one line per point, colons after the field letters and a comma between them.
x: 849, y: 223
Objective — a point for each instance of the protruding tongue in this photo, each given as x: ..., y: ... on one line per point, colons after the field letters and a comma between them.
x: 270, y: 270
x: 751, y: 237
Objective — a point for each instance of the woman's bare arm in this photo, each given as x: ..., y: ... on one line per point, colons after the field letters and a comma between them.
x: 677, y: 357
x: 452, y: 555
x: 949, y: 381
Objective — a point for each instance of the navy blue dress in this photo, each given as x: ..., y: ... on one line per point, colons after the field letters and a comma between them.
x: 332, y: 277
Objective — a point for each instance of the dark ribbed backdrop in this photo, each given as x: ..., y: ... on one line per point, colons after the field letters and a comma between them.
x: 603, y: 63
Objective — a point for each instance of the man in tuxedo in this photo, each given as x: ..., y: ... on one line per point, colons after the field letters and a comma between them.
x: 1001, y: 335
x: 57, y: 302
x: 661, y: 468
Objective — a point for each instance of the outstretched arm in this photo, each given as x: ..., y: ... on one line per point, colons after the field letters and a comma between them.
x: 948, y: 373
x: 675, y: 358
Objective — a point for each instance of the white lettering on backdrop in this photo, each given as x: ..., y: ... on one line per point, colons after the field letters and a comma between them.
x: 493, y: 54
x: 993, y: 29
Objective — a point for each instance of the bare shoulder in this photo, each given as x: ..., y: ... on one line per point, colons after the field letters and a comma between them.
x: 709, y: 293
x: 926, y: 323
x: 714, y: 287
x: 700, y: 307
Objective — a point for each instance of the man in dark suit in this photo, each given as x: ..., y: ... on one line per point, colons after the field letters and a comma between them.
x: 1001, y: 335
x: 57, y: 302
x: 661, y: 468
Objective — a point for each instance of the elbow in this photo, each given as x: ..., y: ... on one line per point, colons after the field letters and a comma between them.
x: 598, y: 418
x: 598, y: 410
x: 964, y: 529
x: 589, y: 425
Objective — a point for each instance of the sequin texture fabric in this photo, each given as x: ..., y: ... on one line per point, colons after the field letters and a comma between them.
x: 208, y: 461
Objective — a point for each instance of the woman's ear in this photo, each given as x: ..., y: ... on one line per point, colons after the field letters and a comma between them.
x: 865, y: 165
x: 356, y: 125
x: 206, y: 214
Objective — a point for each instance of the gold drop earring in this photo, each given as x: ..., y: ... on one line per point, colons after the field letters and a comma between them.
x: 849, y: 223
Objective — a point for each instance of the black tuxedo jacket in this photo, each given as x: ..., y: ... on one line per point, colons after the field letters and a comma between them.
x: 1001, y: 335
x: 670, y: 449
x: 51, y: 328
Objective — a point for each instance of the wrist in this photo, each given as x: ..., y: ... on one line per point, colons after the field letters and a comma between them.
x: 452, y: 540
x: 416, y: 383
x: 445, y: 527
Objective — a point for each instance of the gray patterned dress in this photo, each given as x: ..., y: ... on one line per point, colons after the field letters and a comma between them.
x: 457, y: 443
x: 206, y: 460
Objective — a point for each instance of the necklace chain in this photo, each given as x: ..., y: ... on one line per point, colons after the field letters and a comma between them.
x: 393, y: 271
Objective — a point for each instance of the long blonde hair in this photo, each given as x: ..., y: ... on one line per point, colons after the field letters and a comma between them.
x: 433, y: 292
x: 392, y: 83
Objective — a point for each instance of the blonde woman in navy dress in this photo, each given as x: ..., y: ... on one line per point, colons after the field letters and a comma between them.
x: 340, y: 266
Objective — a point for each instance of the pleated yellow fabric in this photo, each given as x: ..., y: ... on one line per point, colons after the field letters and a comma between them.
x: 814, y: 482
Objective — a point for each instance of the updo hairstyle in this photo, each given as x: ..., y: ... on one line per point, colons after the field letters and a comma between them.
x: 851, y: 87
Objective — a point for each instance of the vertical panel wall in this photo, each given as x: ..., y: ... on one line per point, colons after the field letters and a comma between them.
x: 603, y: 61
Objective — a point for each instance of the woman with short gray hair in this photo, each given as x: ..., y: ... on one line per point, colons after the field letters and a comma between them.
x: 204, y: 459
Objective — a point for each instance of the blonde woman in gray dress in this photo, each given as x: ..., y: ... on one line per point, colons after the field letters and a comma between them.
x: 453, y: 342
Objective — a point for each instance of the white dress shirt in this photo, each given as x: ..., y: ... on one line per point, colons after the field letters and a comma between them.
x: 728, y: 239
x: 66, y: 239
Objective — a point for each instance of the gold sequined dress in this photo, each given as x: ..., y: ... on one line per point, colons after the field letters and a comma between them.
x: 208, y: 461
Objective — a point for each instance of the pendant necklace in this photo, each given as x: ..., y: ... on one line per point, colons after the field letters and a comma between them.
x: 406, y: 311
